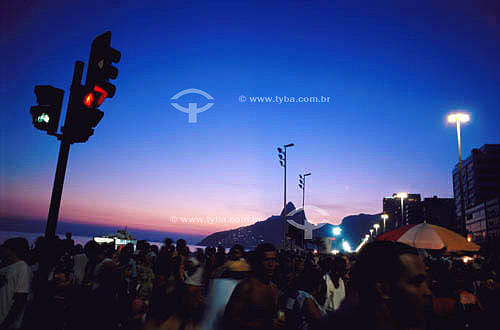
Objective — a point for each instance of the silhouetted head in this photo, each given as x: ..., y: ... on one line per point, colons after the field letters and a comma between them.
x: 264, y: 262
x: 236, y: 252
x: 391, y: 275
x: 14, y: 248
x: 310, y: 280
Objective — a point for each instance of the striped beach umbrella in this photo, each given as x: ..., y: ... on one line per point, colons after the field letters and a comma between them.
x: 427, y: 236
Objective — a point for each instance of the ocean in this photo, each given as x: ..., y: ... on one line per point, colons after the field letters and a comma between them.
x: 31, y: 237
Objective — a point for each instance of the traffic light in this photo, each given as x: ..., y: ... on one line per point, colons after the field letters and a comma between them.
x: 101, y: 70
x: 83, y: 113
x: 46, y: 114
x: 83, y: 117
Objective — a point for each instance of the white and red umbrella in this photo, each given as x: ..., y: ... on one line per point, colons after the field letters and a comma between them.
x: 427, y: 236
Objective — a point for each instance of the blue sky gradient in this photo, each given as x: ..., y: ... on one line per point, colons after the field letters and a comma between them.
x: 392, y: 74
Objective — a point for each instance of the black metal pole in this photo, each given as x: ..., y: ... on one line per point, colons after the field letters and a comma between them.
x: 284, y: 205
x: 55, y: 200
x: 62, y: 161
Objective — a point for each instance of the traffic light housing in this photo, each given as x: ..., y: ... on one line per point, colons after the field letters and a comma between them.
x: 83, y: 113
x: 83, y: 116
x: 101, y: 70
x: 48, y: 111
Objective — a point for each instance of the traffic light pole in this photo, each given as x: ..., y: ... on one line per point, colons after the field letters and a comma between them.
x: 62, y: 161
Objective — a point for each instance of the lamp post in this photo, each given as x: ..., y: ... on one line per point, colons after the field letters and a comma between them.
x: 302, y: 185
x: 376, y: 226
x: 371, y: 232
x: 402, y: 196
x: 459, y: 118
x: 384, y: 218
x: 282, y: 157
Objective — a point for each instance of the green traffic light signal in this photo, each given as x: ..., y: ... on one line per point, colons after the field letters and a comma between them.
x: 43, y: 118
x: 45, y: 115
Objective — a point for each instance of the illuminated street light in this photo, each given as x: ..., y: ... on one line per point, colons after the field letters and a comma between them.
x: 402, y: 196
x: 371, y: 232
x: 376, y: 226
x: 346, y: 246
x: 337, y: 231
x: 384, y: 218
x: 459, y: 118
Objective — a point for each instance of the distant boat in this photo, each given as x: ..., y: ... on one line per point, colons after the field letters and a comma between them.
x: 120, y: 239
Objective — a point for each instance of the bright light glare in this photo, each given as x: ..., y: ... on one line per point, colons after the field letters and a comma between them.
x: 346, y: 246
x: 103, y: 240
x: 461, y: 117
x: 466, y: 259
x: 402, y: 195
x: 337, y: 231
x: 362, y: 243
x: 384, y: 216
x: 376, y: 226
x: 335, y: 251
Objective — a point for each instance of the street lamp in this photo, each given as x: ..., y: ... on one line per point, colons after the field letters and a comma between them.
x: 282, y: 157
x: 459, y: 118
x: 376, y: 226
x: 371, y: 232
x: 402, y: 196
x: 302, y: 185
x: 384, y: 218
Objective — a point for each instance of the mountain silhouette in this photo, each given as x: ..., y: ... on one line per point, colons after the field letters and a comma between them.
x: 354, y: 227
x: 269, y: 230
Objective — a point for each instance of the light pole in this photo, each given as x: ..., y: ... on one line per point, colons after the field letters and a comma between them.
x: 402, y: 196
x: 459, y: 118
x: 302, y: 185
x: 376, y: 226
x: 371, y: 232
x: 384, y: 218
x: 282, y: 157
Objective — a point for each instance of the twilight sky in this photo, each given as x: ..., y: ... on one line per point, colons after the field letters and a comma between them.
x: 392, y: 74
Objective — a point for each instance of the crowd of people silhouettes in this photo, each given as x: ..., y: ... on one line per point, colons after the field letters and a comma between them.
x: 387, y: 285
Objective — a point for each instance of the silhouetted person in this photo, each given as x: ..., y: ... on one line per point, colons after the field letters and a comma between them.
x: 254, y: 301
x: 307, y: 309
x: 68, y: 243
x: 390, y: 280
x: 335, y: 288
x: 15, y: 282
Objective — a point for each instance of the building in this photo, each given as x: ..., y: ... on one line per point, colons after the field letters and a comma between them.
x: 440, y: 212
x: 483, y: 221
x: 412, y: 210
x: 437, y: 211
x: 480, y: 181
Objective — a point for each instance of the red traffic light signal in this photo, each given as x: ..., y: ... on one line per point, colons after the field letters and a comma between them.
x: 46, y: 114
x: 95, y: 97
x: 82, y: 116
